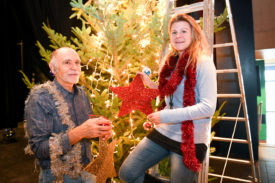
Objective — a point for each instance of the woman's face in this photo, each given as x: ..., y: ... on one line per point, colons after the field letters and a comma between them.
x: 181, y: 35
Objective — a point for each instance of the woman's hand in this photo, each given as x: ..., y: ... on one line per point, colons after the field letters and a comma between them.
x: 154, y: 118
x: 147, y: 81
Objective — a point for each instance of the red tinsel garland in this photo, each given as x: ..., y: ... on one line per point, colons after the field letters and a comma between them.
x: 168, y: 87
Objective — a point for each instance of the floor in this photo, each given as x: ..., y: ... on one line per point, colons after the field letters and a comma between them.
x: 270, y: 116
x: 16, y: 167
x: 267, y: 163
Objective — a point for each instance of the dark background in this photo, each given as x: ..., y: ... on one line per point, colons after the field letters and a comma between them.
x: 23, y: 24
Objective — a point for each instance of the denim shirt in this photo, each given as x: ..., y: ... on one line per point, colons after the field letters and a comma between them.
x: 43, y: 120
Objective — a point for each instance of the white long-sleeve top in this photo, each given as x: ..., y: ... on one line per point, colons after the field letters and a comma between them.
x: 200, y: 113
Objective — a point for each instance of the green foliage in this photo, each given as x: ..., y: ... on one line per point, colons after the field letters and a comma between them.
x: 217, y: 115
x: 116, y: 40
x: 46, y: 54
x: 219, y: 20
x: 26, y: 80
x: 164, y: 167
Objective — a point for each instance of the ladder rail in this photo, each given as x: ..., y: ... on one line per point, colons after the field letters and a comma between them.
x: 208, y: 28
x: 224, y: 71
x: 222, y: 139
x: 208, y: 23
x: 222, y: 45
x: 230, y: 178
x: 188, y: 8
x: 228, y: 118
x: 227, y: 159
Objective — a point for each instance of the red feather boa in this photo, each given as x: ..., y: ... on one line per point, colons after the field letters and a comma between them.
x: 168, y: 87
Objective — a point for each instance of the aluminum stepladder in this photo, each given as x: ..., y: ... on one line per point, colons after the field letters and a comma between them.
x: 207, y: 6
x: 243, y: 105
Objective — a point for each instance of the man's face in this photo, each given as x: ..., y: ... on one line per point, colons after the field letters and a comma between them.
x: 68, y: 67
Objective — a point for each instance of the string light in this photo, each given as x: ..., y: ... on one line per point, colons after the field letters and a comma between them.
x: 109, y: 8
x: 87, y: 65
x: 107, y: 103
x: 98, y: 40
x: 134, y: 36
x: 140, y: 10
x: 145, y: 42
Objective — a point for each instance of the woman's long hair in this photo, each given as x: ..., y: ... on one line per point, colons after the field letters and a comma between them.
x: 199, y: 45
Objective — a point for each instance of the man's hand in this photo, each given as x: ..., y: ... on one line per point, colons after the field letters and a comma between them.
x: 95, y: 127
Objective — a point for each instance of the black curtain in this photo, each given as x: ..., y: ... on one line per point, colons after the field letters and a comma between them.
x: 23, y: 26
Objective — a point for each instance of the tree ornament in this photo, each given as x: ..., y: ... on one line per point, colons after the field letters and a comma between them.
x: 135, y: 97
x: 147, y: 125
x: 103, y: 165
x: 146, y: 70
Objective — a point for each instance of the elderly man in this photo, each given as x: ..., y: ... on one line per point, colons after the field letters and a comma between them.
x: 58, y: 123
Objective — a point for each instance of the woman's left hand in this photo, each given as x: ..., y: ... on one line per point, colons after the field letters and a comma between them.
x: 154, y: 117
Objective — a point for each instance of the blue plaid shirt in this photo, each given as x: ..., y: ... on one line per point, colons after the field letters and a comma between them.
x: 43, y: 120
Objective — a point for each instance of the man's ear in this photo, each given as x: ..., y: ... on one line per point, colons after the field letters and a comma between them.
x: 52, y: 67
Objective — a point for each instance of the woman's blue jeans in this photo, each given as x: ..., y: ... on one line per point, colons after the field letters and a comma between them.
x: 147, y: 154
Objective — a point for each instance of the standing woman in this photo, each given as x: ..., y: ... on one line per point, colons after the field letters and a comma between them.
x: 187, y: 83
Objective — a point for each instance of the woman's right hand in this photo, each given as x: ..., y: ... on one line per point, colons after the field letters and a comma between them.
x: 147, y: 81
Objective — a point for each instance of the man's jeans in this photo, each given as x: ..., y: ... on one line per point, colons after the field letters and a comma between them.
x: 145, y: 155
x: 46, y: 176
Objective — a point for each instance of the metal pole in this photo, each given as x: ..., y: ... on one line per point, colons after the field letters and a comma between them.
x: 21, y: 54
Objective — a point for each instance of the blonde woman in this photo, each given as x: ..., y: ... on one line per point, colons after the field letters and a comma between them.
x: 187, y: 83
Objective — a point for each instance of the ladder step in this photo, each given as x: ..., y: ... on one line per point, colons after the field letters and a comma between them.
x: 222, y: 71
x: 226, y: 118
x: 235, y: 160
x: 229, y: 177
x: 222, y: 45
x: 229, y: 95
x: 188, y: 8
x: 223, y: 139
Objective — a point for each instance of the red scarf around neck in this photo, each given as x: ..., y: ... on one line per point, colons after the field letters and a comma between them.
x: 168, y: 87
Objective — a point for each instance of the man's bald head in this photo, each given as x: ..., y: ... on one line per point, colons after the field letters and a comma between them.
x: 56, y: 53
x: 65, y: 65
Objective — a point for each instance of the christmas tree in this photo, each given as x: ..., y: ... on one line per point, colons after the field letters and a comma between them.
x: 117, y: 39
